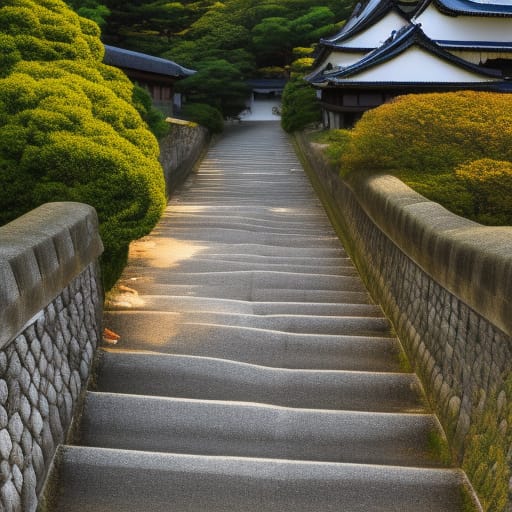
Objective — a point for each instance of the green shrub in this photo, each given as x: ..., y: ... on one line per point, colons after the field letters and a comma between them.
x: 490, y: 184
x: 424, y: 138
x: 300, y: 106
x: 153, y: 117
x: 205, y: 115
x: 69, y: 130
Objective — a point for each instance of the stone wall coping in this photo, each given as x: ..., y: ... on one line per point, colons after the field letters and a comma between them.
x: 40, y: 253
x: 472, y: 261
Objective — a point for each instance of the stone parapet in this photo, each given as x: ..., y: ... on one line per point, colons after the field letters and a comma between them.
x: 180, y: 150
x: 50, y: 317
x: 445, y: 283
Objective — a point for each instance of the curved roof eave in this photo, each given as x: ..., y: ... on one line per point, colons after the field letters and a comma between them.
x: 397, y: 44
x: 470, y: 8
x: 129, y: 59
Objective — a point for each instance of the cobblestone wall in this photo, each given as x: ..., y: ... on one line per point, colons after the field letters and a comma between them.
x: 445, y: 284
x: 47, y: 343
x: 180, y: 150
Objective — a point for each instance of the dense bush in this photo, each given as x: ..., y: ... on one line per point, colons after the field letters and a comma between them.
x: 300, y: 106
x: 68, y: 129
x: 205, y: 115
x: 424, y: 138
x: 490, y: 184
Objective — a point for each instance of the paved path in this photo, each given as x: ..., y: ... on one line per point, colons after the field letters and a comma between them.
x: 253, y: 374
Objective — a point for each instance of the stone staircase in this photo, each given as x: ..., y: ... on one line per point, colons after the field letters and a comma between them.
x: 253, y: 373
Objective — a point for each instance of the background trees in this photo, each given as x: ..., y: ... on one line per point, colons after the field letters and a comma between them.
x: 228, y: 41
x: 68, y: 128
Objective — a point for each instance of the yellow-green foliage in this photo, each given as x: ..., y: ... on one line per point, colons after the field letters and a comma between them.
x: 490, y: 183
x: 424, y: 138
x: 68, y: 129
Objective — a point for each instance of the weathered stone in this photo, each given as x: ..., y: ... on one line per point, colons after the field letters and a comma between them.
x: 17, y: 478
x: 47, y: 346
x: 14, y: 366
x: 51, y: 394
x: 3, y: 363
x: 21, y: 346
x: 5, y: 471
x: 24, y: 380
x: 25, y: 409
x: 28, y: 494
x: 35, y: 348
x: 4, y: 391
x: 10, y: 497
x: 5, y: 444
x: 38, y: 461
x: 16, y: 427
x: 4, y: 417
x: 26, y: 443
x: 56, y: 423
x: 17, y: 456
x: 36, y: 422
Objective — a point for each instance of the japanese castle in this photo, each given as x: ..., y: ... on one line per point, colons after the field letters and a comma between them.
x: 393, y: 47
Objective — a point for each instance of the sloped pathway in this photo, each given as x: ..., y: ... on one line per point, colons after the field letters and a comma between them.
x: 253, y: 373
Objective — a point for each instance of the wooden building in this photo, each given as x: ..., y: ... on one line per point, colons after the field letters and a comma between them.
x: 155, y: 74
x: 393, y: 47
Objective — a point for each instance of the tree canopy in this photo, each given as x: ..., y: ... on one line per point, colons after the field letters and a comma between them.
x: 226, y: 41
x: 68, y: 128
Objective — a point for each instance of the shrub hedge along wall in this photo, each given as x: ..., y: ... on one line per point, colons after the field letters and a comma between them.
x: 69, y: 130
x: 454, y: 148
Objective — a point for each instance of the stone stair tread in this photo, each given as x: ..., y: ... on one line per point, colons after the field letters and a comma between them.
x: 148, y: 286
x: 202, y: 266
x: 134, y: 481
x: 214, y: 427
x: 184, y: 376
x: 179, y: 303
x: 247, y: 281
x: 286, y: 323
x: 257, y: 346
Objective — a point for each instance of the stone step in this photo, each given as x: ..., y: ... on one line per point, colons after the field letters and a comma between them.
x: 240, y: 429
x: 256, y: 346
x: 255, y: 279
x: 106, y: 480
x: 180, y: 304
x: 201, y: 266
x: 148, y: 286
x: 184, y: 376
x: 300, y: 324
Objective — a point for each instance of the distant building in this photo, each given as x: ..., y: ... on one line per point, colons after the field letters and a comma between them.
x: 393, y: 47
x: 155, y: 74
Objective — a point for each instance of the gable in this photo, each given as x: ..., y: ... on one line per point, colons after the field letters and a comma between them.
x: 440, y: 27
x: 416, y: 65
x: 375, y: 35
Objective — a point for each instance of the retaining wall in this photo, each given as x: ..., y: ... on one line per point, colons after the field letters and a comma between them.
x: 446, y: 284
x: 180, y: 150
x: 50, y: 317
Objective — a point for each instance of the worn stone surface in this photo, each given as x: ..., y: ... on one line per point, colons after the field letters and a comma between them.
x: 445, y: 284
x: 50, y: 316
x: 180, y: 150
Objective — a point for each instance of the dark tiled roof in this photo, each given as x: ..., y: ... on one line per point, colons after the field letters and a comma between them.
x: 128, y: 59
x: 494, y: 46
x: 362, y: 17
x: 395, y: 45
x: 471, y: 8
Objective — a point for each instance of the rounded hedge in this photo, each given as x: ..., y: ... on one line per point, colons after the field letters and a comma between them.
x: 424, y: 138
x: 69, y: 130
x: 205, y: 115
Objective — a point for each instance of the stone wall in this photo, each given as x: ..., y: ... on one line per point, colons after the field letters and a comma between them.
x: 50, y: 317
x: 180, y: 150
x: 445, y: 283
